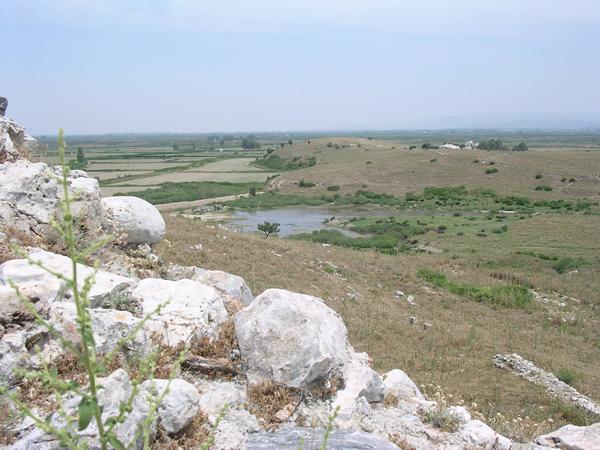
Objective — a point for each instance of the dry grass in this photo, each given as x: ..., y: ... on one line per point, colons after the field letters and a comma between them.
x: 399, y: 170
x: 267, y: 399
x: 192, y: 436
x: 456, y: 352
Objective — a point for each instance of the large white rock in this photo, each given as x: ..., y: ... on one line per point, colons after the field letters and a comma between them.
x: 190, y: 309
x: 572, y: 437
x: 36, y: 283
x: 139, y: 220
x: 15, y: 143
x: 290, y: 338
x: 30, y: 195
x: 178, y: 407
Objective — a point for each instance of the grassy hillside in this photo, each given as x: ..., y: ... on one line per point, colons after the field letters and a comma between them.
x: 385, y: 166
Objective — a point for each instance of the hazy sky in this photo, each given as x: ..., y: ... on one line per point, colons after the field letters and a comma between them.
x: 97, y: 66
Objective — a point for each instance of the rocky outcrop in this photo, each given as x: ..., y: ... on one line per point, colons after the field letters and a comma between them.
x: 571, y: 437
x: 138, y: 220
x: 526, y: 369
x: 15, y: 143
x: 291, y: 339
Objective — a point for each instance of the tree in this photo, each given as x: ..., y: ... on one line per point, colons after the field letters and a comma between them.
x: 80, y: 155
x: 522, y: 147
x: 290, y: 142
x: 252, y: 191
x: 268, y: 228
x: 492, y: 144
x: 175, y: 147
x: 250, y: 143
x: 426, y: 146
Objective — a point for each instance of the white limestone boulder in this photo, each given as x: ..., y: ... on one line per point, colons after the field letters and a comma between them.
x: 292, y: 339
x: 140, y: 221
x: 572, y: 437
x: 178, y: 407
x: 190, y: 309
x: 36, y: 283
x: 30, y: 194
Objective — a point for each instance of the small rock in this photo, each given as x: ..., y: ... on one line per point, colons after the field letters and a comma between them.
x: 412, y: 320
x: 410, y: 300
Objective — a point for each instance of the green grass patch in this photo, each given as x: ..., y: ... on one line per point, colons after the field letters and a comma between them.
x: 385, y: 244
x: 567, y: 264
x: 277, y: 163
x: 193, y: 190
x: 508, y: 296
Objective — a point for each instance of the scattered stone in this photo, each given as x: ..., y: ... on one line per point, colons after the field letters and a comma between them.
x: 399, y: 294
x: 412, y: 320
x: 411, y: 300
x: 292, y: 339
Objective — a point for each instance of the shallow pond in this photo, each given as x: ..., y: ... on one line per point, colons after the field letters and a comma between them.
x: 294, y: 220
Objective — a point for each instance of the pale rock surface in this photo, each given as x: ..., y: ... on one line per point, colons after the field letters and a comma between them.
x: 234, y: 429
x: 291, y: 437
x: 190, y: 309
x: 215, y: 394
x: 360, y: 381
x: 179, y: 406
x: 30, y: 195
x: 15, y: 143
x: 572, y: 437
x: 140, y: 221
x: 227, y: 283
x: 35, y: 282
x: 478, y: 434
x: 110, y: 326
x: 177, y: 409
x: 236, y: 293
x: 292, y: 339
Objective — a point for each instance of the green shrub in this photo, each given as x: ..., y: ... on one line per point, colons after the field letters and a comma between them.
x: 567, y: 264
x: 543, y: 187
x: 306, y: 184
x: 333, y: 188
x: 538, y: 176
x: 491, y: 170
x: 566, y: 376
